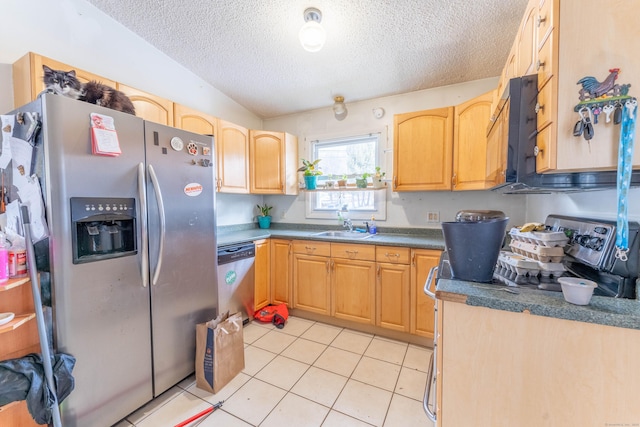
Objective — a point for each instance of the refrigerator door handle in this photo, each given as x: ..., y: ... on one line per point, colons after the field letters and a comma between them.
x: 156, y: 188
x: 142, y: 196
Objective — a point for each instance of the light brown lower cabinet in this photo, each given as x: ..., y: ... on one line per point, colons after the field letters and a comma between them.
x: 393, y: 281
x: 501, y: 368
x: 422, y: 307
x: 262, y: 281
x: 311, y: 276
x: 280, y: 271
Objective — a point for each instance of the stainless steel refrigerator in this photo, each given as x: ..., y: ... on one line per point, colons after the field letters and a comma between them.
x: 132, y: 255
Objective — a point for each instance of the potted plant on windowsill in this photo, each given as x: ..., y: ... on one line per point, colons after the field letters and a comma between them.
x: 362, y: 181
x: 377, y: 178
x: 311, y: 172
x: 342, y: 182
x: 264, y: 219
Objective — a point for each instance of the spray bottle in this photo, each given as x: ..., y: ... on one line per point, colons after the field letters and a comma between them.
x: 373, y: 229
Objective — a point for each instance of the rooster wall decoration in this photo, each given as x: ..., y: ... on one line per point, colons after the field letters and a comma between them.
x: 592, y: 88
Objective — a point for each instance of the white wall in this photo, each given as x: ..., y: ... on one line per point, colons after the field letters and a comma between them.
x: 78, y: 34
x: 406, y: 209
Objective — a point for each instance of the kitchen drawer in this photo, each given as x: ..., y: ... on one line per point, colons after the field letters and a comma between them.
x: 393, y: 254
x: 311, y: 247
x: 360, y: 252
x: 545, y: 19
x: 546, y: 158
x: 545, y: 62
x: 545, y: 104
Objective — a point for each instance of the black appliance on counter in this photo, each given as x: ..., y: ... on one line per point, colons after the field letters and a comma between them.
x: 521, y: 97
x: 590, y: 254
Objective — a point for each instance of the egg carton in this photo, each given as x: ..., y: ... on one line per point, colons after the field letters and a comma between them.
x: 551, y: 269
x: 537, y: 252
x: 542, y: 238
x: 518, y: 264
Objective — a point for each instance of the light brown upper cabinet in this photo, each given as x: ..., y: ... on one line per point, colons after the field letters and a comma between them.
x: 194, y: 121
x: 526, y: 40
x: 497, y: 149
x: 148, y: 106
x: 233, y: 158
x: 28, y: 75
x: 470, y: 143
x: 273, y: 160
x: 422, y: 150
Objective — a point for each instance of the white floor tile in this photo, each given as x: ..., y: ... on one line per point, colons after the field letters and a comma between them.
x: 411, y: 383
x: 387, y: 350
x: 417, y: 358
x: 338, y: 361
x: 224, y: 394
x: 296, y: 326
x: 282, y: 372
x: 254, y: 401
x: 251, y: 332
x: 406, y: 412
x: 255, y: 359
x: 220, y: 418
x: 320, y: 386
x: 321, y: 333
x: 175, y: 411
x: 304, y: 351
x: 296, y: 411
x: 356, y: 342
x: 338, y: 419
x: 377, y: 373
x: 364, y: 402
x: 274, y: 341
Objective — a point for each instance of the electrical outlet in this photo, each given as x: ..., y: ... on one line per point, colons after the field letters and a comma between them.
x: 433, y: 216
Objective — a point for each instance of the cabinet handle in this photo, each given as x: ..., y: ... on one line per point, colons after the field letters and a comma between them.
x: 327, y: 266
x: 537, y: 150
x: 539, y: 107
x: 378, y: 271
x: 310, y: 248
x: 395, y: 182
x: 388, y: 255
x: 540, y: 20
x: 351, y: 252
x: 454, y: 180
x: 539, y: 65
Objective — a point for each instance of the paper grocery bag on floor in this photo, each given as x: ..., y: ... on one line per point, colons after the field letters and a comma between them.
x: 219, y: 353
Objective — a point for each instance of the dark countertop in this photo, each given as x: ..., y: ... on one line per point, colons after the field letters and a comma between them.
x: 618, y: 312
x: 406, y: 237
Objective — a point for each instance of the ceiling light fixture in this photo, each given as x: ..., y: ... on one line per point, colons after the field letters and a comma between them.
x: 339, y: 109
x: 312, y: 35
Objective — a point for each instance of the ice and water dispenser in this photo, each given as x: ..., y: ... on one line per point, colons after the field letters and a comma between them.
x: 102, y: 228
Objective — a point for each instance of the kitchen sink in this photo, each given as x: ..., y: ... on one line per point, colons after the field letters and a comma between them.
x: 344, y: 234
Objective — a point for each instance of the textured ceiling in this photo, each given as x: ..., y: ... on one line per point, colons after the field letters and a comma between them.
x: 249, y: 49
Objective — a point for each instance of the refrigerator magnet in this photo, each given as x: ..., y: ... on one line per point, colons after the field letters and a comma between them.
x: 192, y: 148
x: 193, y: 189
x: 177, y: 144
x: 206, y: 151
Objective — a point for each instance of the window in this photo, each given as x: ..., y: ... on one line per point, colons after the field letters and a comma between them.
x: 350, y: 156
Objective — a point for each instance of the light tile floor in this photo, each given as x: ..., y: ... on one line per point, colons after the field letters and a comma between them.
x: 307, y: 374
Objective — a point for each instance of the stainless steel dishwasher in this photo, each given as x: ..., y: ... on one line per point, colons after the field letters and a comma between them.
x: 236, y: 279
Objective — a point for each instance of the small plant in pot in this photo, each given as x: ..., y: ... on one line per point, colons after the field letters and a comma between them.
x: 378, y: 178
x: 362, y: 181
x: 342, y: 182
x: 310, y: 172
x: 330, y: 183
x: 264, y: 219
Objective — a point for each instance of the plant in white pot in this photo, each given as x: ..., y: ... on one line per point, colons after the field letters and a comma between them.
x: 264, y: 219
x: 378, y: 178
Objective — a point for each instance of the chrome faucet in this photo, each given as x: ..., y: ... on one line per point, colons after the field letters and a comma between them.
x: 347, y: 223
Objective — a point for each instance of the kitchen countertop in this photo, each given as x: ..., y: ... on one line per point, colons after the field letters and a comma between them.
x: 413, y: 238
x: 618, y: 312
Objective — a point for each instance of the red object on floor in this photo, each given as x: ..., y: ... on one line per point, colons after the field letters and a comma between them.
x: 200, y: 414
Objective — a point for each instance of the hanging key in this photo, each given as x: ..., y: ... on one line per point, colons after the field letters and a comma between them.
x: 596, y: 112
x: 607, y: 110
x: 578, y: 128
x: 617, y: 114
x: 631, y: 107
x: 588, y: 129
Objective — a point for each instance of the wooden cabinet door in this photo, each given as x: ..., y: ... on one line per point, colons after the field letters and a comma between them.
x: 148, y: 106
x: 280, y: 271
x: 526, y: 40
x: 28, y: 74
x: 422, y: 150
x: 470, y: 143
x: 422, y: 307
x: 194, y: 121
x: 233, y: 158
x: 392, y: 296
x: 262, y: 292
x: 497, y: 149
x: 272, y: 162
x: 311, y: 283
x: 353, y: 290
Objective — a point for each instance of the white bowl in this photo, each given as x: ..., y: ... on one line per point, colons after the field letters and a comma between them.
x: 6, y: 318
x: 576, y: 290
